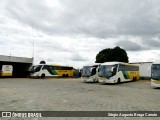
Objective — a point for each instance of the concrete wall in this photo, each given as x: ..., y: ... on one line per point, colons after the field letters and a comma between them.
x: 145, y: 70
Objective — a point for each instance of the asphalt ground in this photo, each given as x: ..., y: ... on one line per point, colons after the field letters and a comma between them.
x: 71, y: 94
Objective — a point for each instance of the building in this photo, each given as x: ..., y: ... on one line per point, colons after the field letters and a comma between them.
x: 20, y: 65
x: 144, y: 69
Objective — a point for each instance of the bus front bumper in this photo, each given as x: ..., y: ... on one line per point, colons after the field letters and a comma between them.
x: 89, y: 79
x: 103, y: 80
x: 34, y: 75
x: 155, y: 84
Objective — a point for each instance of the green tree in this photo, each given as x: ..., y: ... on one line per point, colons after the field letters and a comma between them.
x: 109, y: 55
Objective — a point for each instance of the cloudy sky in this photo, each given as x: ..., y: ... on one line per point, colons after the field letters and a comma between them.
x: 72, y: 32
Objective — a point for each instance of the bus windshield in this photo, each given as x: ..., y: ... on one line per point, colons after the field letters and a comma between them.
x: 156, y: 72
x: 87, y: 71
x: 37, y: 68
x: 107, y: 71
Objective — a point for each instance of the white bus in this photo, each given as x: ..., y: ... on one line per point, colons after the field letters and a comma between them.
x: 43, y: 70
x: 116, y: 72
x: 155, y: 75
x: 90, y: 73
x: 6, y: 70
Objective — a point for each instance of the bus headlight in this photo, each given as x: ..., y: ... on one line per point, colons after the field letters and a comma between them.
x: 35, y: 74
x: 112, y: 78
x: 91, y: 78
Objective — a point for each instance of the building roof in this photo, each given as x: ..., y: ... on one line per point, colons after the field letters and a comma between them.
x: 141, y: 63
x: 15, y: 59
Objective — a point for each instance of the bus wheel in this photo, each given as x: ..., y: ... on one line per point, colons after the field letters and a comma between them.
x: 63, y: 75
x: 43, y: 76
x: 66, y: 75
x: 118, y: 81
x: 134, y: 78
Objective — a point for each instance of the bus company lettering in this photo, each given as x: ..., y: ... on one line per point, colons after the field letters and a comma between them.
x: 62, y: 70
x: 133, y: 72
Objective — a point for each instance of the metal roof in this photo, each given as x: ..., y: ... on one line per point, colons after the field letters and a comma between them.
x: 15, y: 59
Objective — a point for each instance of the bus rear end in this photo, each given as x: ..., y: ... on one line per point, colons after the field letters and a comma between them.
x: 6, y: 70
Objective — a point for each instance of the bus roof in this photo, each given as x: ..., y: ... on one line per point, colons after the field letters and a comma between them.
x: 59, y: 65
x: 113, y: 63
x: 53, y: 65
x: 92, y: 64
x: 157, y: 63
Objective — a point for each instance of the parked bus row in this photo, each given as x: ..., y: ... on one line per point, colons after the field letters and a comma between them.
x: 117, y: 72
x: 108, y: 72
x: 42, y: 71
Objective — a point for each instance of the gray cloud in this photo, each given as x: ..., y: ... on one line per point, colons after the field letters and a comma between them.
x: 151, y: 43
x: 91, y: 18
x: 54, y: 46
x: 129, y: 45
x: 78, y: 57
x: 74, y: 31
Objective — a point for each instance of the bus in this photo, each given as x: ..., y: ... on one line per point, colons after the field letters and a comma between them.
x: 155, y: 75
x: 117, y: 72
x: 6, y: 70
x: 90, y: 73
x: 43, y: 70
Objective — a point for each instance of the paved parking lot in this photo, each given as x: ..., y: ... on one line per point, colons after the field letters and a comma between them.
x: 74, y: 95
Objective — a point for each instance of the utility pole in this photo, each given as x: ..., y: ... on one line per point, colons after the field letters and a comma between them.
x: 33, y: 45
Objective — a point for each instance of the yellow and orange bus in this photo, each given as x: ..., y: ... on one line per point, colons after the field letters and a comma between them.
x: 44, y: 70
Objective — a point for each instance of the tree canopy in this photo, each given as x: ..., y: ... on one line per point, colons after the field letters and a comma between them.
x: 109, y: 55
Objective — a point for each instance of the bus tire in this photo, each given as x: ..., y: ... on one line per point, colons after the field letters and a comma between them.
x: 134, y: 78
x: 63, y: 75
x: 43, y: 76
x: 118, y: 81
x: 66, y: 75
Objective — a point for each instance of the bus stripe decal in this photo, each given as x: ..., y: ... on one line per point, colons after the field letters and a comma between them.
x: 52, y: 72
x: 125, y: 74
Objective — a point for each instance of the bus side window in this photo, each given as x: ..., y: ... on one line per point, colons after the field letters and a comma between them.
x: 44, y: 67
x: 93, y: 71
x: 114, y: 71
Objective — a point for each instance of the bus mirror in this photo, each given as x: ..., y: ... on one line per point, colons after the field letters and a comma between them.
x: 92, y: 69
x: 112, y: 69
